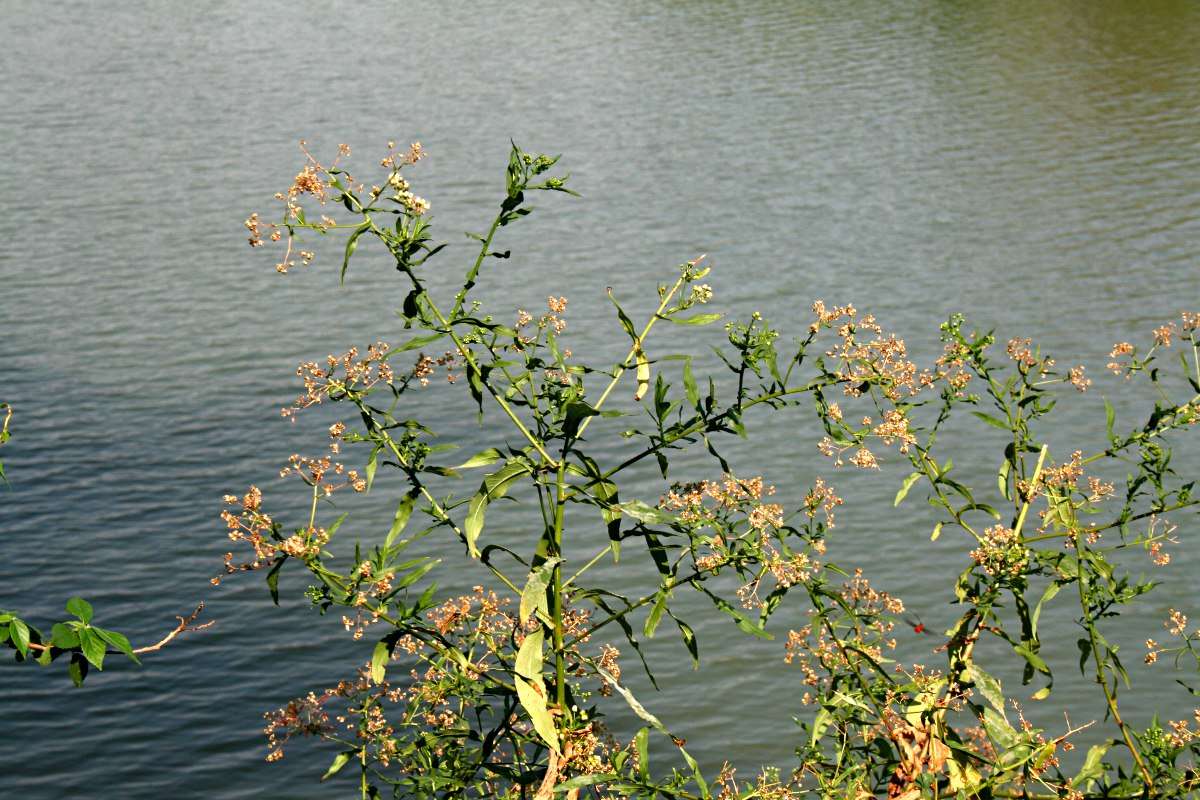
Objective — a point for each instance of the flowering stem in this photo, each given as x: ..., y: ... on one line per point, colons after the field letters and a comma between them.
x: 1093, y: 639
x: 1037, y: 471
x: 462, y: 347
x: 633, y: 350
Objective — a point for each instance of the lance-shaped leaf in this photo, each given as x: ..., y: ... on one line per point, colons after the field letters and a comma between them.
x: 533, y: 596
x: 531, y: 689
x: 495, y: 485
x: 654, y: 721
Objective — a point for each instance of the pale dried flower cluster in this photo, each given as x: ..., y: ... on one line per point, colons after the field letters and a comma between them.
x: 821, y: 497
x: 882, y: 359
x: 340, y: 374
x: 1000, y: 552
x: 1120, y: 350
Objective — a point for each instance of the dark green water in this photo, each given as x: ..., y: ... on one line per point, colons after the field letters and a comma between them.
x: 1036, y: 165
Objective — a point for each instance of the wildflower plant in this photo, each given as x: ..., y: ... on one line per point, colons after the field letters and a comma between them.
x: 503, y: 692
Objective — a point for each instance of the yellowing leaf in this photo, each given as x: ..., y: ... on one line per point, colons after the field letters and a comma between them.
x: 643, y: 374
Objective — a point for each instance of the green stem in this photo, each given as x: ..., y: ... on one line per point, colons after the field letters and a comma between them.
x: 560, y: 657
x: 1109, y: 697
x: 634, y: 348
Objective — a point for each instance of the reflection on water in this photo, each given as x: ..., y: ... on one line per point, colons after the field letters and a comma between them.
x: 1035, y: 165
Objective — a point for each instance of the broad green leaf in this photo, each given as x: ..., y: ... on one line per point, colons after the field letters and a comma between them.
x: 80, y: 608
x: 646, y: 513
x: 494, y: 486
x: 93, y: 647
x: 63, y: 637
x: 576, y: 412
x: 533, y: 596
x: 1093, y: 768
x: 118, y: 641
x: 19, y: 632
x: 988, y: 686
x: 531, y: 689
x: 1001, y: 733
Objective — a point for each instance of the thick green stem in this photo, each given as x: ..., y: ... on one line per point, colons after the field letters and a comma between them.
x: 560, y: 657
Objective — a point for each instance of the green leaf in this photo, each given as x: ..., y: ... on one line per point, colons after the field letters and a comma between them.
x: 1093, y: 768
x: 531, y: 689
x: 988, y: 686
x: 93, y: 647
x: 689, y: 384
x: 689, y: 640
x: 646, y: 513
x: 937, y: 531
x: 273, y: 579
x: 351, y: 246
x: 626, y: 322
x: 339, y: 761
x: 743, y: 622
x: 482, y: 459
x: 821, y: 724
x: 1001, y: 733
x: 77, y: 669
x: 494, y: 486
x: 372, y: 465
x: 642, y: 742
x: 63, y: 637
x: 904, y: 487
x: 695, y: 319
x: 414, y: 343
x: 575, y: 413
x: 404, y: 511
x: 80, y: 608
x: 118, y: 641
x: 533, y: 596
x: 379, y: 659
x: 990, y: 420
x: 19, y: 632
x: 656, y: 612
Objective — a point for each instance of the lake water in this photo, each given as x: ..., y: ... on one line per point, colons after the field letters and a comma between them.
x: 1036, y: 165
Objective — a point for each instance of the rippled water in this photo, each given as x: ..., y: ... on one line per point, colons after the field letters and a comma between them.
x: 1035, y: 165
